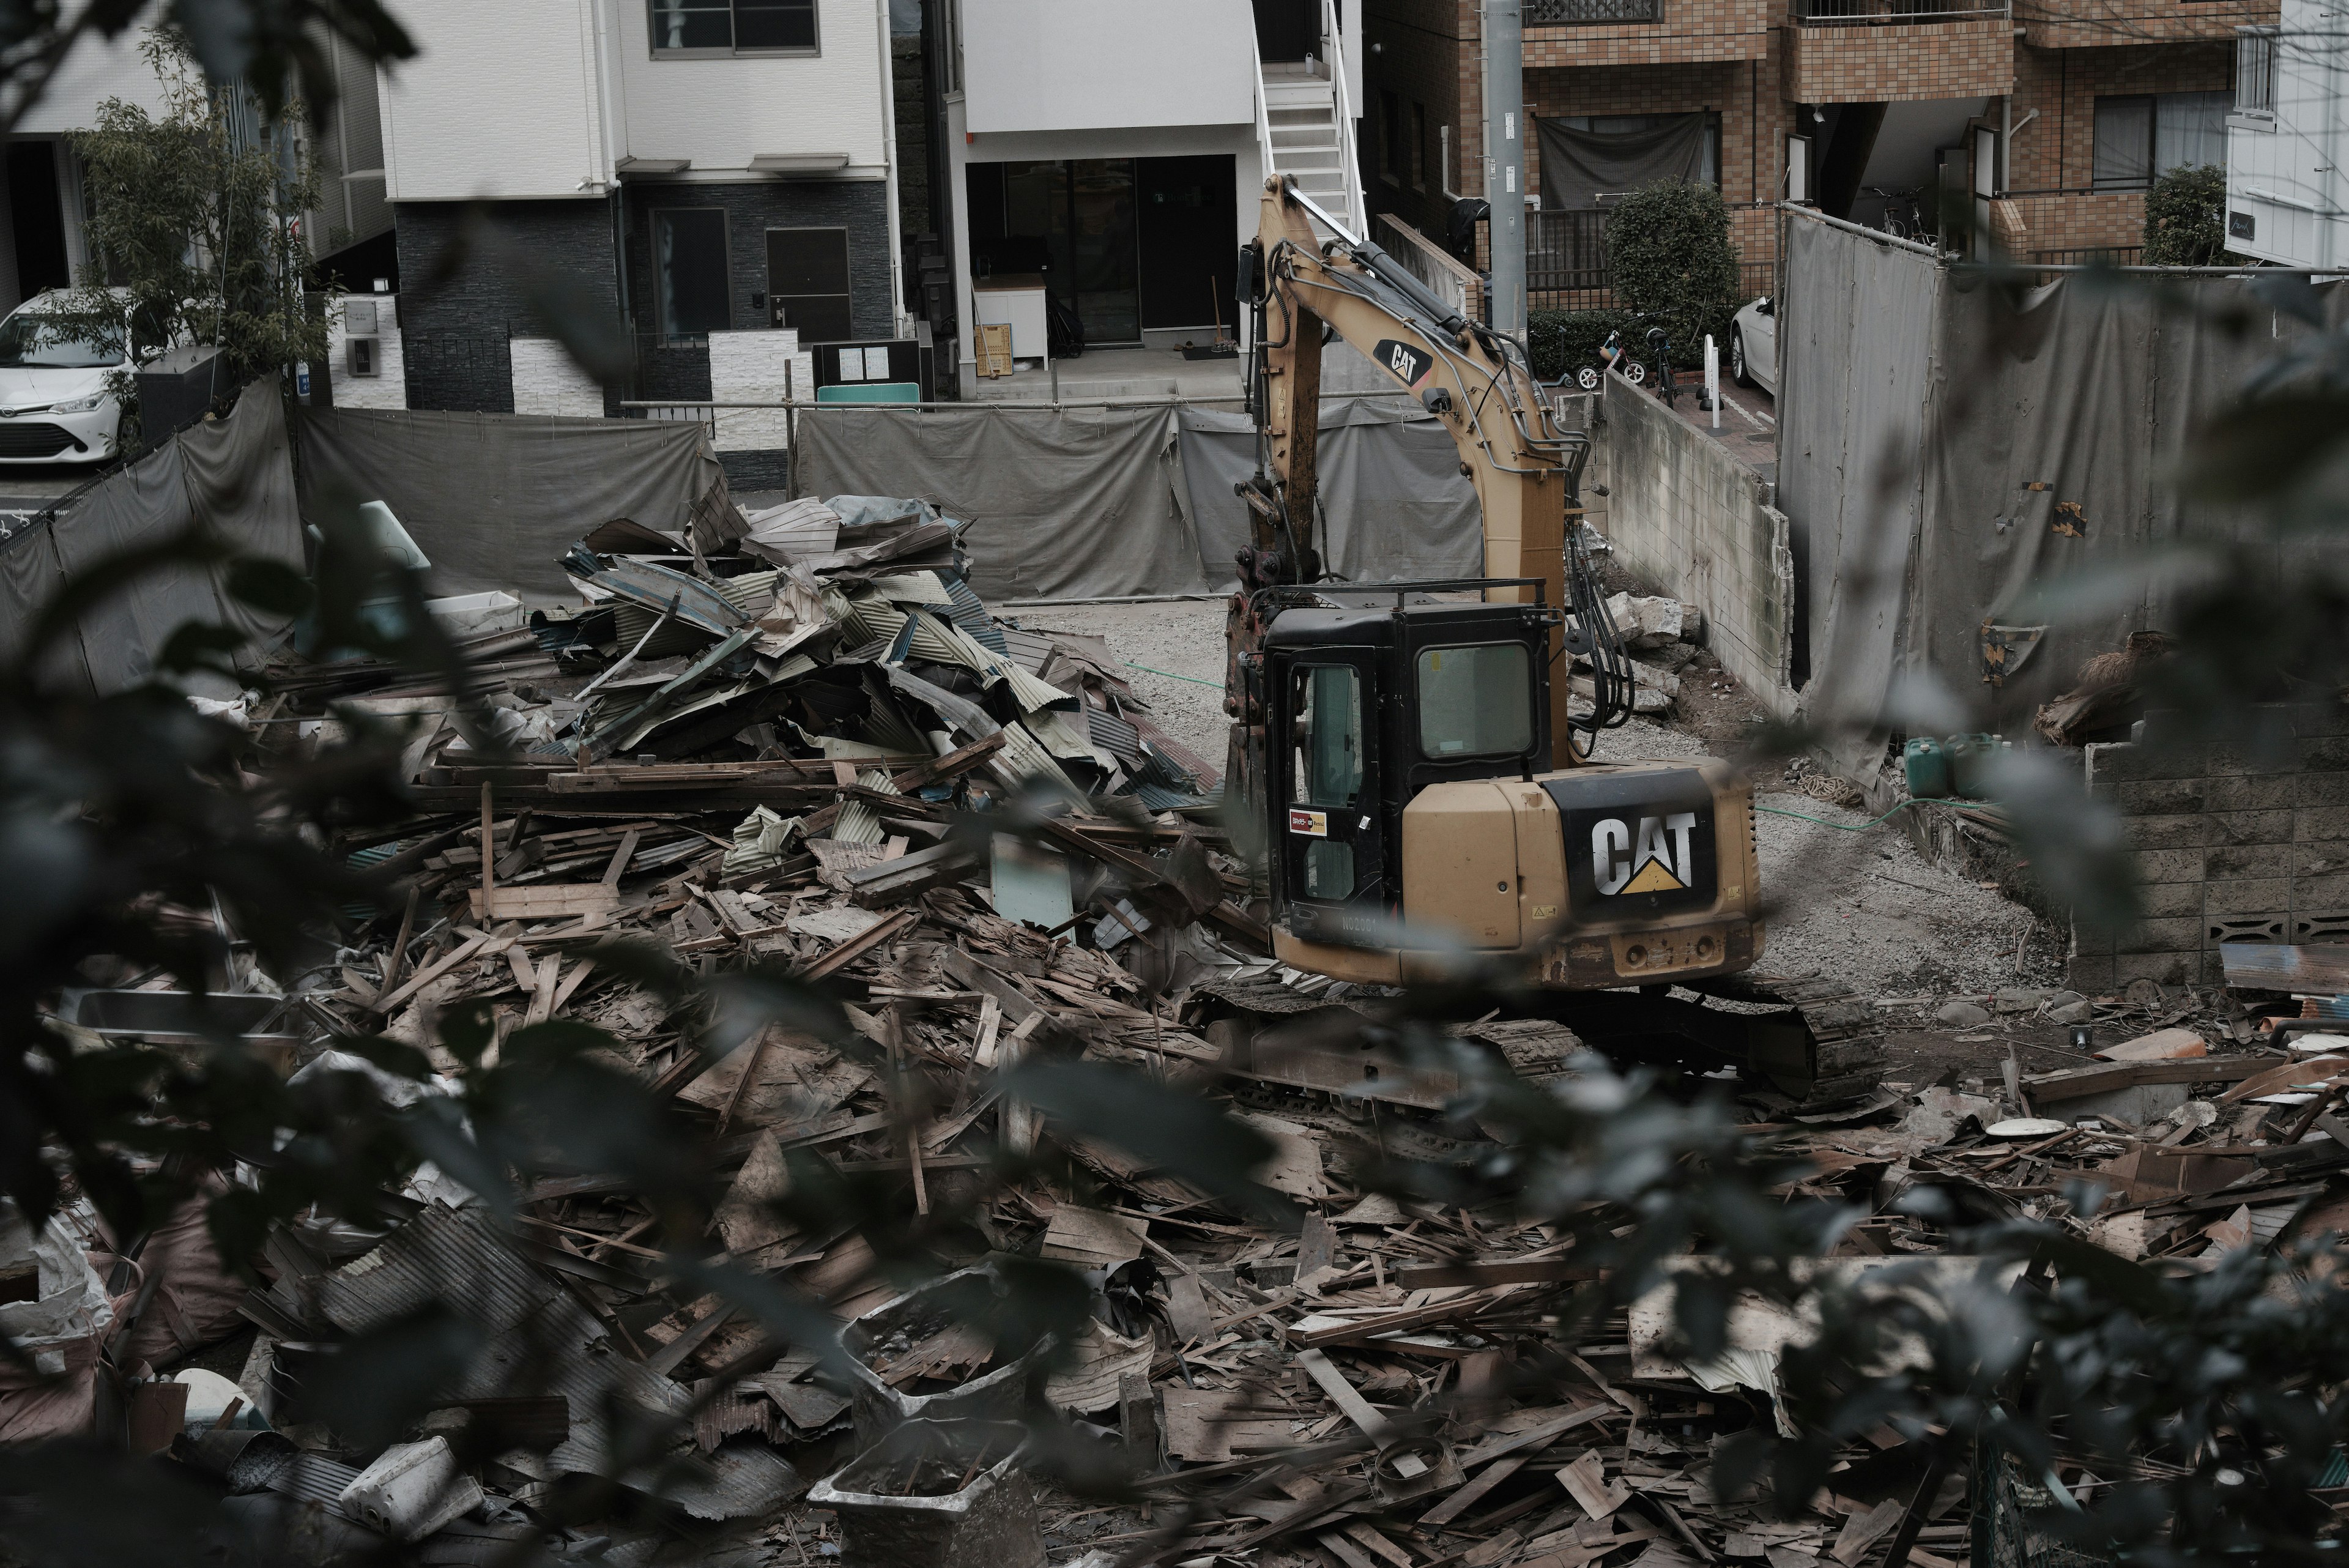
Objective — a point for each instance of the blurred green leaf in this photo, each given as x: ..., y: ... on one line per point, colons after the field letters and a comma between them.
x: 2255, y: 451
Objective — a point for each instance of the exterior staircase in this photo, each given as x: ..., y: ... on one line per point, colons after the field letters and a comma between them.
x: 1310, y: 142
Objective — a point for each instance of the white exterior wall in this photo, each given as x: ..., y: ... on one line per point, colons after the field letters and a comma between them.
x: 1084, y: 64
x: 98, y: 69
x: 722, y: 112
x: 388, y: 391
x: 547, y: 380
x: 503, y: 102
x: 2284, y: 170
x: 757, y: 368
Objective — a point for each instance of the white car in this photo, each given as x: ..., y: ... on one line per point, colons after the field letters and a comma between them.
x: 1754, y: 345
x: 56, y: 403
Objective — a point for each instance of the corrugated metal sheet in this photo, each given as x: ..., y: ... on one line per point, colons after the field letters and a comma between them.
x: 858, y: 822
x: 1028, y: 649
x: 969, y: 613
x: 540, y: 1341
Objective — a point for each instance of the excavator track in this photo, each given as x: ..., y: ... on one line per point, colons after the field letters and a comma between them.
x: 1809, y: 1044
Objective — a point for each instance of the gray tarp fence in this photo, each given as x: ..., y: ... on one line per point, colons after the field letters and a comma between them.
x: 1585, y: 169
x: 493, y: 500
x: 232, y: 478
x: 1855, y: 358
x: 1119, y: 502
x: 1061, y: 503
x: 1950, y: 444
x: 1395, y: 503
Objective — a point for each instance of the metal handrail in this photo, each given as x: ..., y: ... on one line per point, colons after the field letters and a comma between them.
x: 1263, y: 117
x: 1358, y: 204
x: 1867, y: 13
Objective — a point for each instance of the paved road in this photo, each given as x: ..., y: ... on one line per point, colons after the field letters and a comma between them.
x: 26, y: 489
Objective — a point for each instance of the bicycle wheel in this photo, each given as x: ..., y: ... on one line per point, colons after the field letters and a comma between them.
x: 1638, y: 374
x: 1588, y: 378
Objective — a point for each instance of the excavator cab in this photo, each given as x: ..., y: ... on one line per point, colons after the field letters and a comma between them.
x: 1367, y: 706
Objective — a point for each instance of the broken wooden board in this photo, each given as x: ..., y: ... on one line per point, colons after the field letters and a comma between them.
x: 547, y: 902
x: 1092, y: 1240
x: 2306, y: 970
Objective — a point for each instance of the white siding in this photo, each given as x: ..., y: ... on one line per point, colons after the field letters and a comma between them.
x: 502, y: 103
x: 721, y: 113
x: 2283, y: 171
x: 97, y: 69
x: 547, y: 380
x: 1092, y: 65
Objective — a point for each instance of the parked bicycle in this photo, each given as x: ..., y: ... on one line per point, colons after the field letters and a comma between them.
x: 1611, y: 356
x: 1903, y: 219
x: 1660, y: 354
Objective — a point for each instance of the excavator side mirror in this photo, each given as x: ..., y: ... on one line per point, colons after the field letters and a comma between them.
x: 1436, y: 400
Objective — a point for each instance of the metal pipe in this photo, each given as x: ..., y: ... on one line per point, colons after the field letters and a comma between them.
x: 988, y: 403
x: 1504, y: 103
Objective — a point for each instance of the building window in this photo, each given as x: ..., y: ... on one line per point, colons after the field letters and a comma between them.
x: 689, y: 279
x: 732, y: 26
x: 1419, y: 159
x: 2142, y: 135
x: 807, y: 283
x: 2255, y: 70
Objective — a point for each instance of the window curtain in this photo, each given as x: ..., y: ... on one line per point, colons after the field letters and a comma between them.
x: 1584, y: 166
x: 2189, y: 129
x: 2124, y: 142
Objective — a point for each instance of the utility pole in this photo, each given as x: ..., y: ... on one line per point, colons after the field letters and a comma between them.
x: 1504, y: 160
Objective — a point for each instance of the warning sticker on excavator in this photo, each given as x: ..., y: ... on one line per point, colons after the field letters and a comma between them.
x: 1404, y: 363
x: 1312, y: 824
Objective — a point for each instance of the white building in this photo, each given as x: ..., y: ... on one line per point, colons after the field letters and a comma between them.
x: 2287, y: 196
x: 1109, y: 156
x: 42, y: 233
x: 696, y: 167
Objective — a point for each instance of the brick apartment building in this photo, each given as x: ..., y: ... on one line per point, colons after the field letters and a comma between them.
x: 2091, y: 97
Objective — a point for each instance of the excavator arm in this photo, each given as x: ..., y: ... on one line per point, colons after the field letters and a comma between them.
x: 1525, y: 468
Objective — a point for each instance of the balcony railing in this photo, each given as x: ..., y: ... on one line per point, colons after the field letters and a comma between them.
x: 1867, y: 13
x: 1565, y: 251
x: 1576, y: 13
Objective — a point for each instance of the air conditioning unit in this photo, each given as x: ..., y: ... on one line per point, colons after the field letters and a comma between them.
x: 365, y: 356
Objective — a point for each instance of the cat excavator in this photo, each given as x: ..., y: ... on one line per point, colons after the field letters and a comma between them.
x: 1427, y: 788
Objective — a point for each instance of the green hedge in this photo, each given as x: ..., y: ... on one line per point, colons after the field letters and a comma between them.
x: 2186, y: 219
x: 1669, y: 256
x: 1563, y: 341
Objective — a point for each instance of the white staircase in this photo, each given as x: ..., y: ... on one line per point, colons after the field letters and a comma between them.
x: 1307, y: 142
x: 1305, y: 126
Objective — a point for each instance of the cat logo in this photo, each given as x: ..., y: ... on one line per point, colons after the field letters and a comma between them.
x: 1655, y: 860
x: 1404, y: 363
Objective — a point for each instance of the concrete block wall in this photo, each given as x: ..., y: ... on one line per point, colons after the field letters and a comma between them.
x: 547, y: 380
x: 2249, y: 845
x: 488, y: 266
x: 1688, y: 519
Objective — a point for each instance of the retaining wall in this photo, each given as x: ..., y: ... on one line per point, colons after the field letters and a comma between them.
x: 2232, y: 845
x: 1688, y: 519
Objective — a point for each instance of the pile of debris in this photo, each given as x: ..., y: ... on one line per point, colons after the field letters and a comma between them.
x: 765, y: 741
x: 1662, y: 636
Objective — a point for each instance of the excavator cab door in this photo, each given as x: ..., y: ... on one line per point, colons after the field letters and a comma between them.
x: 1324, y: 794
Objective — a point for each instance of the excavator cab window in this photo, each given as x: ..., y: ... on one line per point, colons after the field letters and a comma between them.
x: 1476, y: 701
x: 1326, y: 775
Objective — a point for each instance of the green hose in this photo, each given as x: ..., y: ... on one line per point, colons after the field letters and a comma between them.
x: 1838, y: 826
x: 1172, y: 676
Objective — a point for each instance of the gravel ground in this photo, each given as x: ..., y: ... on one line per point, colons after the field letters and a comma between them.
x: 1863, y: 907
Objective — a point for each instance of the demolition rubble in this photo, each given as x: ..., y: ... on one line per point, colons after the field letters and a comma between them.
x: 765, y: 741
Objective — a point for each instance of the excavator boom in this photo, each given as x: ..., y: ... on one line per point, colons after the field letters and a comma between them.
x: 1424, y: 783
